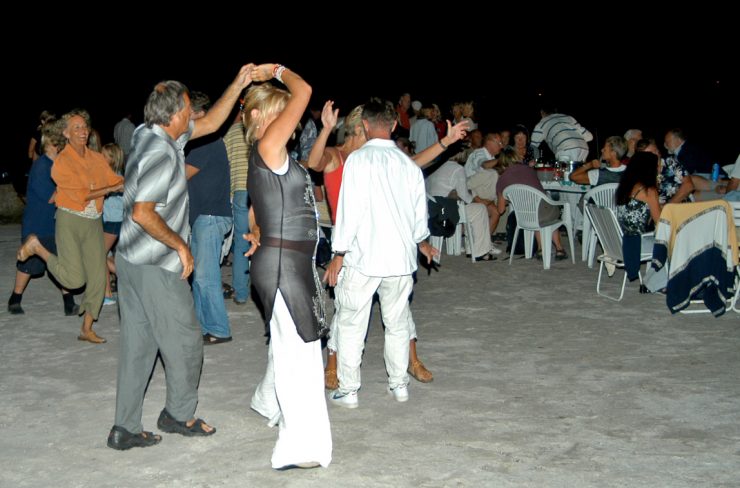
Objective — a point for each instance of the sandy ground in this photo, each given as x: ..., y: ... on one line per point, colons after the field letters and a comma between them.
x: 538, y: 382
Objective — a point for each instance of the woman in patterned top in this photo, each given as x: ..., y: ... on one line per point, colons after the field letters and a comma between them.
x: 637, y: 195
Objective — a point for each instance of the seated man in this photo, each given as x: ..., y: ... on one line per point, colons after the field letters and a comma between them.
x: 674, y: 183
x: 485, y: 157
x: 449, y: 181
x: 595, y: 172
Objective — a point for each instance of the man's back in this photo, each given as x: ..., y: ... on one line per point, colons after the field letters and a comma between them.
x: 561, y: 132
x: 382, y: 210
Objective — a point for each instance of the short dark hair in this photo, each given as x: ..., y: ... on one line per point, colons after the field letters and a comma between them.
x: 199, y: 101
x: 379, y: 113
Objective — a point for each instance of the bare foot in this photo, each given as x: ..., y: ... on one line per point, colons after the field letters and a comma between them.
x: 28, y: 248
x: 91, y: 336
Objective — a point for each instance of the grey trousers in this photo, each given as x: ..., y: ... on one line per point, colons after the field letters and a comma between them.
x: 157, y: 314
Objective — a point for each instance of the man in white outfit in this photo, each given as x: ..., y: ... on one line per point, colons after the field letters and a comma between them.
x: 381, y: 218
x: 449, y: 181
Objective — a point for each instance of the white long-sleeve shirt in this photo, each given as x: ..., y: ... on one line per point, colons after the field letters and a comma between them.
x: 382, y: 211
x: 450, y: 176
x: 476, y: 160
x: 561, y: 132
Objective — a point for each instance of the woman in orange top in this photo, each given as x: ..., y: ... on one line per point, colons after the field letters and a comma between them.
x: 83, y: 178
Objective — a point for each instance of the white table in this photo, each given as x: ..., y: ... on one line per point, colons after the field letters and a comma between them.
x: 569, y: 192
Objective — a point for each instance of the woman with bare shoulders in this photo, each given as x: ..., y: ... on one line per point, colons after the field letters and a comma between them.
x: 283, y: 272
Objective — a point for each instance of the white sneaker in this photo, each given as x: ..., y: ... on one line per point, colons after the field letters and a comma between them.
x: 496, y: 251
x: 400, y: 393
x: 346, y: 400
x: 610, y: 269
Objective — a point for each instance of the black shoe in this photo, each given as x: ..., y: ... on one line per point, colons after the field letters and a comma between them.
x: 212, y: 339
x: 228, y: 290
x: 15, y: 309
x: 73, y: 310
x: 121, y: 439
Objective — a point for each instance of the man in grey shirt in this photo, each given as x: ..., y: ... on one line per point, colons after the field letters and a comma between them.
x: 153, y: 263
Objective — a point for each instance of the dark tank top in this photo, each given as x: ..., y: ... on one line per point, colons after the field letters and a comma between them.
x: 285, y: 210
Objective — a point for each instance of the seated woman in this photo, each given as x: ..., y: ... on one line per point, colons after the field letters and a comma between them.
x: 638, y: 207
x: 516, y: 173
x: 524, y: 150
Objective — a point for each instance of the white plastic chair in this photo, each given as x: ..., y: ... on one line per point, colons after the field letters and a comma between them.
x: 525, y: 201
x: 603, y: 195
x: 454, y: 243
x: 609, y: 232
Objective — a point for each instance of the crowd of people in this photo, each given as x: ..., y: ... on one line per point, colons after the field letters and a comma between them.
x: 167, y: 213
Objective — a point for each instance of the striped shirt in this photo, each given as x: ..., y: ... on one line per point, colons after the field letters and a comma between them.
x: 561, y: 132
x: 236, y: 151
x: 155, y: 173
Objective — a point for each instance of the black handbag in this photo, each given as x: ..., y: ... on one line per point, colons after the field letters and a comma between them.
x: 443, y: 216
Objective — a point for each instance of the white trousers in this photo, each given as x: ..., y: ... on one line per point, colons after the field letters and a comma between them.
x: 480, y: 228
x: 354, y: 294
x: 334, y: 333
x: 483, y: 184
x: 294, y: 385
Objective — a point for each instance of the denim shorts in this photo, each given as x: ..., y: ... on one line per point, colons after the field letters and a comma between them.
x: 113, y: 228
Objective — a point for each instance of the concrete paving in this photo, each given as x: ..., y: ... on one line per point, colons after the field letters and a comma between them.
x: 538, y: 382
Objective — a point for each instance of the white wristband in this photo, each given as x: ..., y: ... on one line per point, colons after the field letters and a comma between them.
x: 277, y: 73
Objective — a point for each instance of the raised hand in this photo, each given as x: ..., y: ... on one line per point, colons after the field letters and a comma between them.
x: 244, y: 78
x: 329, y: 117
x: 263, y: 72
x: 457, y: 131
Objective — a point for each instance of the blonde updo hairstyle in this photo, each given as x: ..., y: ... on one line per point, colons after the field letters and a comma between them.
x: 353, y: 122
x: 268, y: 100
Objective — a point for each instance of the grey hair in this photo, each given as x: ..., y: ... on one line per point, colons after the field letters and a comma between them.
x: 77, y: 112
x: 618, y: 145
x: 167, y: 98
x: 633, y: 134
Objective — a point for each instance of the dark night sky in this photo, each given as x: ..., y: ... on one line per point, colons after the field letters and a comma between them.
x: 633, y: 77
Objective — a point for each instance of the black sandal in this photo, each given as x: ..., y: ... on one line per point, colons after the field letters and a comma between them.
x: 486, y: 257
x: 121, y: 439
x: 167, y: 423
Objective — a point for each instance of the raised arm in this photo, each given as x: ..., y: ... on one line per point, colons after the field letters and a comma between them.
x: 319, y: 158
x: 271, y: 146
x: 454, y: 134
x: 222, y: 108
